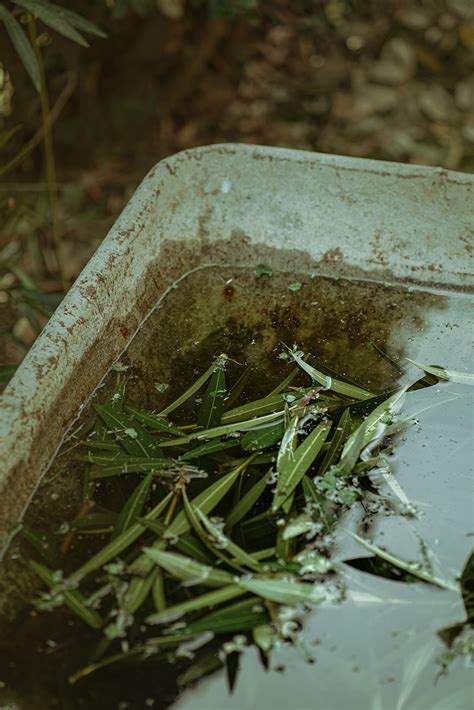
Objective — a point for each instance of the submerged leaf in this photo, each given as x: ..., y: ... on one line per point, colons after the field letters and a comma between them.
x: 212, y: 405
x: 133, y: 507
x: 73, y: 599
x: 263, y: 438
x: 152, y: 420
x: 247, y: 502
x: 136, y: 440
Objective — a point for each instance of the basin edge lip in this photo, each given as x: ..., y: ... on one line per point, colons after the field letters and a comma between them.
x: 90, y: 305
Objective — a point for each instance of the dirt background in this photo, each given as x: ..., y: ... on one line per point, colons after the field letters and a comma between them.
x: 391, y: 80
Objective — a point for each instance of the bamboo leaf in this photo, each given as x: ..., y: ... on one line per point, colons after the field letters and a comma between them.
x: 210, y: 447
x: 136, y: 440
x: 220, y: 539
x: 158, y: 592
x: 284, y: 591
x: 72, y: 598
x: 153, y: 421
x: 246, y: 503
x: 462, y: 378
x: 212, y: 406
x: 239, y: 617
x: 124, y: 540
x: 264, y: 438
x: 203, y: 601
x: 133, y: 507
x: 339, y: 437
x: 292, y: 470
x: 188, y: 570
x: 414, y: 568
x: 52, y: 16
x: 367, y: 432
x: 188, y: 544
x: 195, y: 387
x: 257, y: 408
x: 328, y: 382
x: 23, y: 49
x: 198, y: 527
x: 206, y: 501
x: 138, y: 590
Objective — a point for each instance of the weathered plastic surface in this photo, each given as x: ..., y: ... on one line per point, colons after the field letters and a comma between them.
x: 325, y: 214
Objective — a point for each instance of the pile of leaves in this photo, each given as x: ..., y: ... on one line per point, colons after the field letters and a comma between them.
x: 226, y: 535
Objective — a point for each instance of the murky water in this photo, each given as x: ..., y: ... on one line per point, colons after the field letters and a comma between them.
x: 378, y: 648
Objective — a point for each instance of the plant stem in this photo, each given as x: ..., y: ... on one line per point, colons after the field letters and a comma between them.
x: 49, y: 154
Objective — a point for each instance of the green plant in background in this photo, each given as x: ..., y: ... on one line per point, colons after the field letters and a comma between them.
x: 28, y: 46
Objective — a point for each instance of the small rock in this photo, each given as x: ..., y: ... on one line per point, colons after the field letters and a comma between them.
x: 462, y: 8
x: 437, y: 104
x: 413, y: 18
x: 464, y: 94
x: 397, y: 63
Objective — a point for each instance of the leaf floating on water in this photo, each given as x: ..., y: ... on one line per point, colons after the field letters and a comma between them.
x: 462, y: 378
x: 263, y: 438
x: 328, y: 382
x: 239, y: 617
x: 204, y: 601
x: 155, y: 422
x: 188, y: 570
x: 292, y: 469
x: 136, y: 440
x: 414, y: 568
x: 285, y: 591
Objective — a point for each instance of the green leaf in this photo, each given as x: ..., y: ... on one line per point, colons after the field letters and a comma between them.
x: 212, y: 406
x: 339, y: 437
x: 246, y: 503
x: 188, y: 570
x: 292, y: 469
x: 23, y: 49
x: 366, y: 432
x: 204, y: 601
x: 138, y: 590
x: 43, y: 543
x: 284, y: 591
x: 53, y: 17
x: 153, y: 421
x: 462, y: 378
x: 188, y: 544
x: 239, y: 617
x: 206, y: 501
x: 124, y: 540
x: 328, y: 382
x: 133, y: 507
x: 198, y: 527
x: 158, y: 591
x: 136, y: 440
x: 230, y: 547
x: 263, y: 438
x: 190, y: 391
x: 264, y: 637
x: 79, y: 22
x: 72, y: 598
x: 266, y: 405
x: 210, y: 447
x: 263, y: 270
x: 414, y: 568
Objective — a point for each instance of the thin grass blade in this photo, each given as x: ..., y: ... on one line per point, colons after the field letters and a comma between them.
x: 247, y: 502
